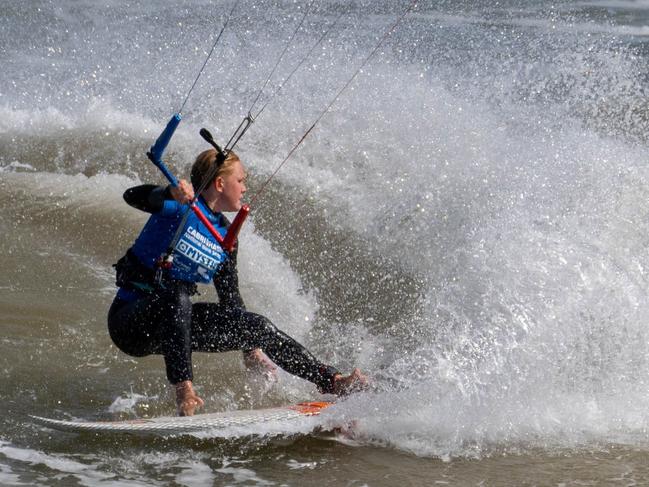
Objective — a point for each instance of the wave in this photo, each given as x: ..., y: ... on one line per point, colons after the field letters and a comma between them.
x: 467, y: 223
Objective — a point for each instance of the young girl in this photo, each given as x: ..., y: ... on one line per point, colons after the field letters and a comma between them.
x: 152, y: 312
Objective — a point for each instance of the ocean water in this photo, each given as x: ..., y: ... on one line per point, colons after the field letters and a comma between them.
x: 469, y: 224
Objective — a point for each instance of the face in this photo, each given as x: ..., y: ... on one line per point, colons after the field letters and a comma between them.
x: 231, y: 188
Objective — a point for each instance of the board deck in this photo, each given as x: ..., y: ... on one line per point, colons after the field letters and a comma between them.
x: 189, y: 424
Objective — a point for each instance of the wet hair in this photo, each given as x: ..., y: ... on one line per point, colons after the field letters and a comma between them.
x: 204, y: 164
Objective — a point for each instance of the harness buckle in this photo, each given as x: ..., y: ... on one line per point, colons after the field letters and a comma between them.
x: 164, y: 263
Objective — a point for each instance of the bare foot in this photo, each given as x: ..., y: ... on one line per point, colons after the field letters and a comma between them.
x: 187, y: 401
x: 346, y: 384
x: 256, y: 361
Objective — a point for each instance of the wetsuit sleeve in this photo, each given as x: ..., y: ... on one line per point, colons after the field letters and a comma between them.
x: 147, y: 197
x: 226, y: 282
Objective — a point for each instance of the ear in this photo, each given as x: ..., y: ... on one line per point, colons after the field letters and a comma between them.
x: 218, y: 184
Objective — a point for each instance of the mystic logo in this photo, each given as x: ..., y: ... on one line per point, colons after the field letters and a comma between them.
x: 195, y: 255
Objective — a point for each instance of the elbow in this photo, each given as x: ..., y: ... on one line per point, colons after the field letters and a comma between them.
x: 128, y: 196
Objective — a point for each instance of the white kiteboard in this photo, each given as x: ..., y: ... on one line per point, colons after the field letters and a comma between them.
x: 190, y: 424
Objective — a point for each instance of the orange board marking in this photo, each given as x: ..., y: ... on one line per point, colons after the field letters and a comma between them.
x: 310, y: 408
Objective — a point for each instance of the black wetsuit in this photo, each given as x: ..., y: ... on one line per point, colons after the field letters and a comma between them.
x: 148, y: 317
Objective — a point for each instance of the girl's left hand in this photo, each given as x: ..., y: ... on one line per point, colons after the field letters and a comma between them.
x: 183, y: 193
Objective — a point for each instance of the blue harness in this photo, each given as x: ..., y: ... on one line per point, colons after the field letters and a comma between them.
x: 197, y: 255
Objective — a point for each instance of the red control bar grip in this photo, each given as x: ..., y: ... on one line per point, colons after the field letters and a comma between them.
x: 230, y: 239
x: 207, y: 223
x: 233, y: 232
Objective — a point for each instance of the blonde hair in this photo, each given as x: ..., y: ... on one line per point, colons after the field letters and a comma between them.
x: 204, y: 165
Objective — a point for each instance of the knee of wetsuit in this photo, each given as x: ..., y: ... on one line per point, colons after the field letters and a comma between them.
x: 259, y: 326
x: 127, y: 344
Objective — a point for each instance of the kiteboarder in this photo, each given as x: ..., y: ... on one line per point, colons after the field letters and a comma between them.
x: 152, y: 312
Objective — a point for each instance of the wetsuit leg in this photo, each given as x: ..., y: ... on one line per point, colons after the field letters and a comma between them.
x: 158, y: 324
x: 176, y: 341
x: 217, y: 328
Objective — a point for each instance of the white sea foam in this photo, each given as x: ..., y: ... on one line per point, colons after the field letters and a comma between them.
x: 272, y: 287
x: 59, y: 464
x: 128, y: 402
x: 16, y: 166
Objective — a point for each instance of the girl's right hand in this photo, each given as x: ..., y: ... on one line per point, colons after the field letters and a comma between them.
x: 183, y: 193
